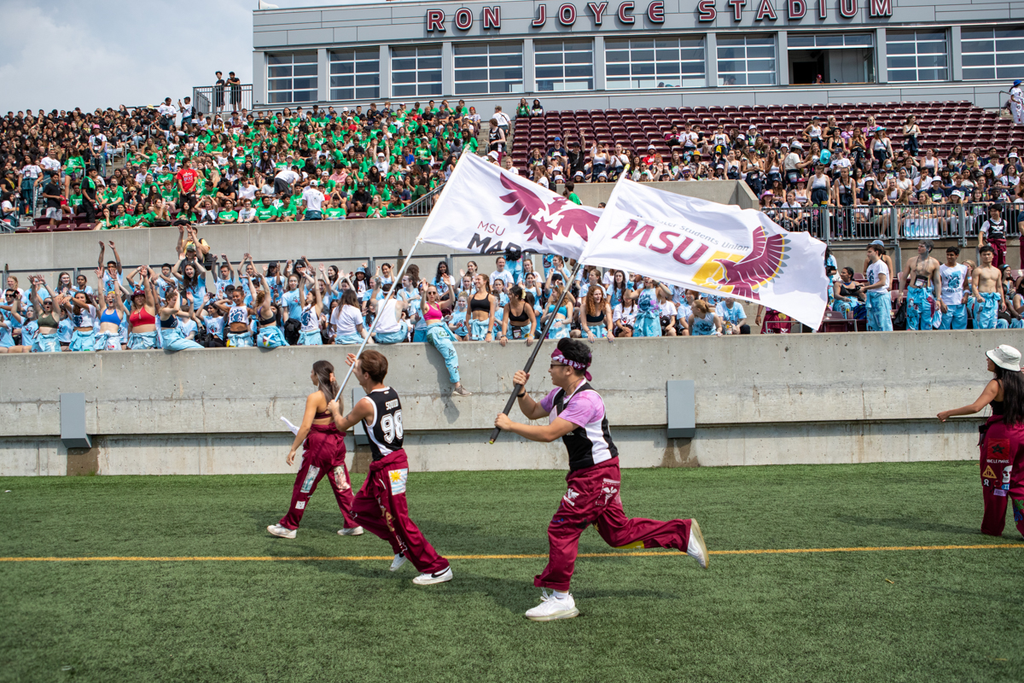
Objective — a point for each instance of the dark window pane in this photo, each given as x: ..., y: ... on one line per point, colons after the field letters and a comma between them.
x: 471, y: 75
x: 473, y: 88
x: 977, y: 60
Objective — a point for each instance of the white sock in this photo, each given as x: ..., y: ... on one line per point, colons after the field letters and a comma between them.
x: 560, y: 595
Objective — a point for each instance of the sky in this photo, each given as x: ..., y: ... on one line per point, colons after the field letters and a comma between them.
x: 62, y: 54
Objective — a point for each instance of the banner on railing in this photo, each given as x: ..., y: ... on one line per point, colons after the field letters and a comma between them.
x: 713, y: 248
x: 485, y: 209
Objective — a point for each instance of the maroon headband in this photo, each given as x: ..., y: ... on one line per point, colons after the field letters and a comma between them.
x: 558, y: 357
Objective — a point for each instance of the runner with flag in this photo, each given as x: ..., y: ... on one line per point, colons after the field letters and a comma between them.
x: 577, y: 416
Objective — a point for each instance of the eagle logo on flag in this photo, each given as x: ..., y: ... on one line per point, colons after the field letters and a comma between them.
x: 762, y: 265
x: 543, y: 219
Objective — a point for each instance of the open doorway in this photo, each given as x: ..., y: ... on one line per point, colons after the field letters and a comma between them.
x: 834, y: 57
x: 806, y: 65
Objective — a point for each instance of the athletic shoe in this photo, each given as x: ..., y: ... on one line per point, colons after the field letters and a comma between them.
x: 398, y: 562
x: 461, y: 392
x: 281, y: 531
x: 552, y: 608
x: 351, y: 531
x: 427, y: 579
x: 696, y: 548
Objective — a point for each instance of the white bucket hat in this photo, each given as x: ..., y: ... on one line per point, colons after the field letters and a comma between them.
x: 1005, y: 357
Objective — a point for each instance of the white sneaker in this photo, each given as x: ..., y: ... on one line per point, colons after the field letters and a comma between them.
x: 427, y: 579
x: 281, y: 531
x: 397, y: 562
x: 552, y: 608
x: 351, y: 531
x: 696, y: 547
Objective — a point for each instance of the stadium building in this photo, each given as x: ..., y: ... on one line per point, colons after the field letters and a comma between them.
x: 639, y: 53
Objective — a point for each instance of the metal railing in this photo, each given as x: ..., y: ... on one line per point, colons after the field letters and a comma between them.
x: 868, y: 222
x: 423, y: 205
x: 214, y: 99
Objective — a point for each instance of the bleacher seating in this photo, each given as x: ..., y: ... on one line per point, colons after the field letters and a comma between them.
x: 943, y: 124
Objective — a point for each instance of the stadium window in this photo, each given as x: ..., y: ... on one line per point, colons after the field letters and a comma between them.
x: 291, y: 77
x: 355, y: 74
x: 488, y: 68
x: 654, y: 63
x: 415, y: 71
x: 916, y: 56
x: 564, y: 65
x: 992, y: 53
x: 746, y: 60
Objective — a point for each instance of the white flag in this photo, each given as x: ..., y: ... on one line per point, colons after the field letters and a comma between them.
x: 712, y: 248
x: 485, y: 209
x: 266, y: 5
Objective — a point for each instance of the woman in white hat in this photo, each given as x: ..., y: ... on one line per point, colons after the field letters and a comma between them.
x: 1002, y: 439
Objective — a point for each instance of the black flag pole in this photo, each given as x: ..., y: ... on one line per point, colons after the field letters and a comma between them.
x: 536, y: 349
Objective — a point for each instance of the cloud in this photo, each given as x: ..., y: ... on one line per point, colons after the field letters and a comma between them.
x: 65, y: 54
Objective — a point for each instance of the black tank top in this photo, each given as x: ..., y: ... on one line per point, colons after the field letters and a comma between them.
x: 997, y: 408
x: 385, y: 429
x: 595, y: 319
x: 480, y: 304
x: 521, y: 318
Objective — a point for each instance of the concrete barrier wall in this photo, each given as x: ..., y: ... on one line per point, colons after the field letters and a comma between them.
x: 759, y: 400
x: 345, y: 243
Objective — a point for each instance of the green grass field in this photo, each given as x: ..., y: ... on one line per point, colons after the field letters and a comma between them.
x: 897, y: 615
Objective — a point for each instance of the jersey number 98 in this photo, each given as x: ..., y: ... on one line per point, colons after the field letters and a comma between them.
x: 391, y: 425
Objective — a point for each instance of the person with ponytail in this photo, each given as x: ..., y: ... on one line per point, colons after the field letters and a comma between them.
x: 1002, y: 440
x: 324, y: 453
x: 270, y: 335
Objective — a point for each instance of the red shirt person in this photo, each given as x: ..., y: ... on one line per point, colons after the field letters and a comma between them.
x: 187, y: 178
x: 592, y: 497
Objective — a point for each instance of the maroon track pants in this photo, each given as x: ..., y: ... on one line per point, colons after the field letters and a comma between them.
x: 593, y: 498
x: 1002, y: 475
x: 380, y: 507
x: 324, y: 454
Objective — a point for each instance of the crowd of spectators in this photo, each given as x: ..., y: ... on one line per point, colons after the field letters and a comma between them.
x: 186, y: 169
x: 203, y: 300
x: 183, y: 167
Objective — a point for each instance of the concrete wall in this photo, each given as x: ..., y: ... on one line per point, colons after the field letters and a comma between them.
x: 345, y: 243
x: 759, y: 400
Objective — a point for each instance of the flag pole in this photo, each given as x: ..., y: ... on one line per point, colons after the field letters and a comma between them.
x: 380, y: 309
x: 536, y: 349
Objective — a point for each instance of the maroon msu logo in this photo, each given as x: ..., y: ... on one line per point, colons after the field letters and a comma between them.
x: 546, y: 219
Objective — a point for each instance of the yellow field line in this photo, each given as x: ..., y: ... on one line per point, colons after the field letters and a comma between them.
x: 358, y: 558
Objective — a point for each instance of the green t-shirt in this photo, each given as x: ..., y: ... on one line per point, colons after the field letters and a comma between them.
x: 146, y: 219
x: 335, y: 212
x: 124, y: 221
x: 266, y: 213
x: 228, y: 216
x: 574, y: 198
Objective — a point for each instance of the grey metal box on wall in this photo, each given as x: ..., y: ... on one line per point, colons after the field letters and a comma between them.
x: 682, y: 411
x: 72, y: 421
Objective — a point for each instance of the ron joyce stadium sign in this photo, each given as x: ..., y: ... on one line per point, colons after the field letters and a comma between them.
x: 625, y: 13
